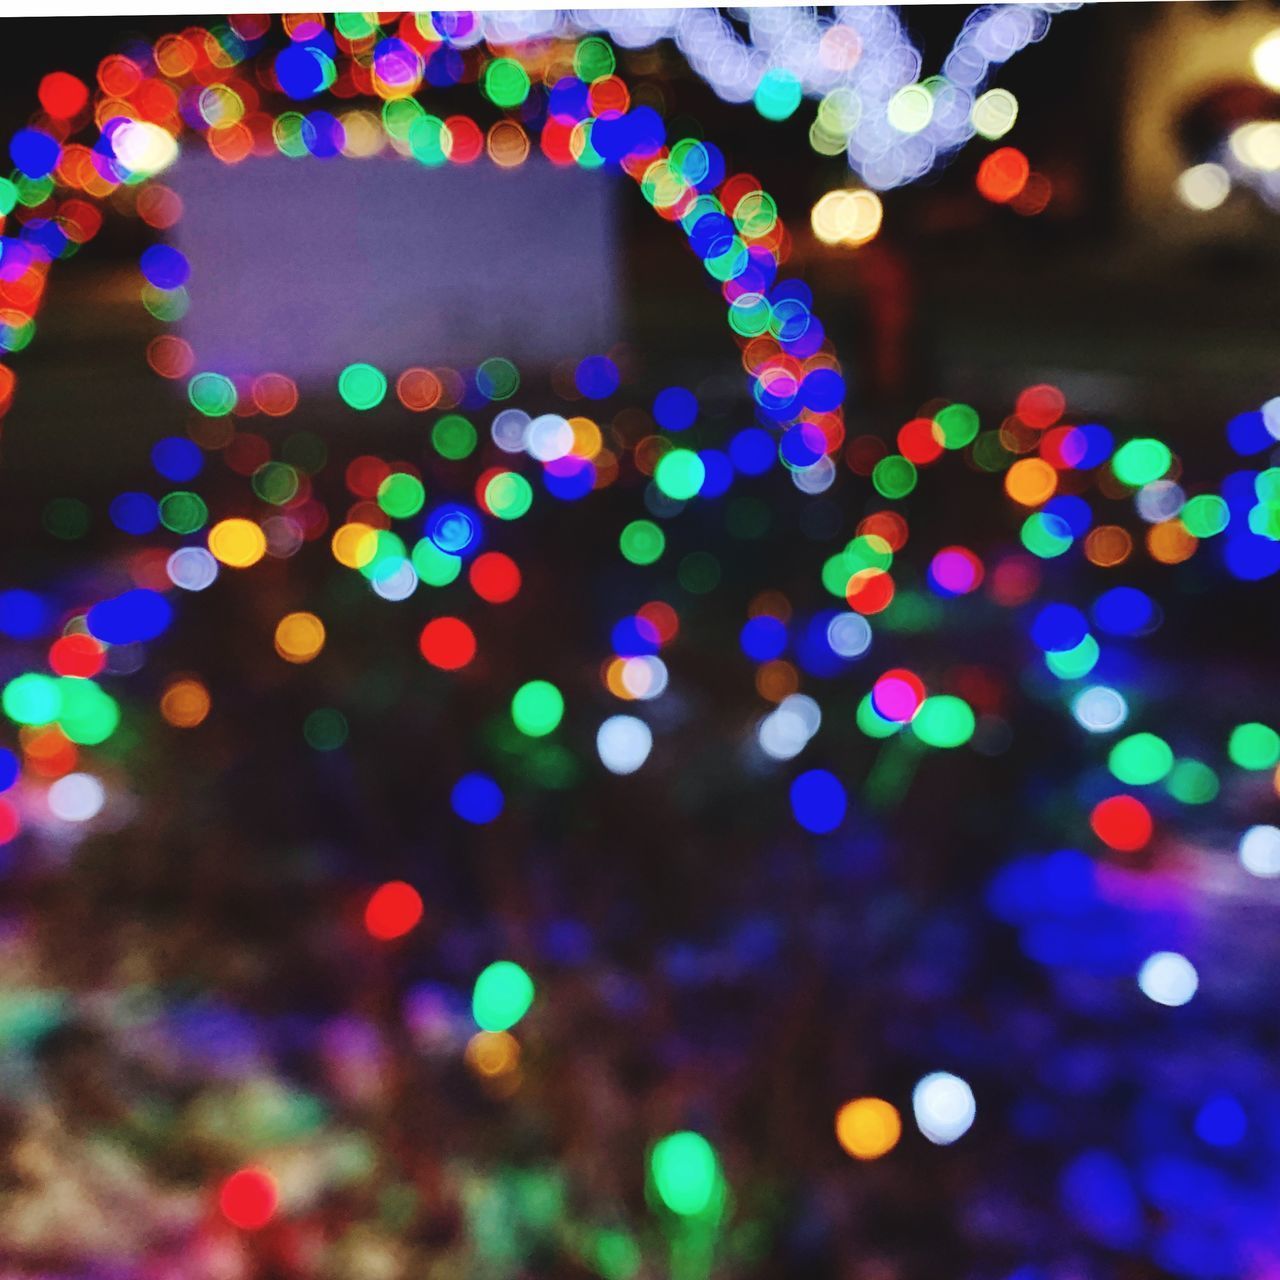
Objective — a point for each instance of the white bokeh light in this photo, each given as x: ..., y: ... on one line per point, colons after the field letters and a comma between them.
x: 77, y: 797
x: 1259, y: 851
x: 1168, y: 978
x: 624, y: 743
x: 944, y: 1107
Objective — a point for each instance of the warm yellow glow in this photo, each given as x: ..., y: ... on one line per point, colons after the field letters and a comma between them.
x: 587, y: 440
x: 1266, y: 59
x: 492, y: 1053
x: 299, y: 637
x: 1203, y: 186
x: 362, y: 134
x: 849, y: 218
x: 1257, y: 144
x: 185, y: 703
x: 1030, y: 481
x: 238, y: 543
x: 868, y: 1128
x: 355, y: 544
x: 143, y: 147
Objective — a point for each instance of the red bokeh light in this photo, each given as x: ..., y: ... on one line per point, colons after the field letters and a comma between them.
x: 466, y: 142
x: 393, y: 910
x: 77, y: 655
x: 1015, y: 580
x: 62, y: 95
x: 365, y: 474
x: 869, y: 591
x: 1003, y: 174
x: 662, y: 617
x: 918, y: 441
x: 10, y: 824
x: 495, y: 577
x: 1041, y: 406
x: 447, y: 643
x: 248, y: 1199
x: 1122, y: 822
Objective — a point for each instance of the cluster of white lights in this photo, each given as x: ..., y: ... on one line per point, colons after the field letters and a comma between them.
x: 858, y: 60
x: 786, y: 730
x: 1249, y: 156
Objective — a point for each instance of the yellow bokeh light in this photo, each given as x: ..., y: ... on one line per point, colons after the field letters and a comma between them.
x: 362, y: 134
x: 237, y: 543
x: 492, y: 1053
x: 1030, y: 481
x: 1107, y: 545
x: 299, y: 637
x: 1266, y: 59
x: 845, y: 217
x: 614, y: 673
x: 354, y: 545
x: 776, y: 680
x: 868, y: 1128
x: 1170, y: 543
x: 185, y: 703
x: 587, y: 440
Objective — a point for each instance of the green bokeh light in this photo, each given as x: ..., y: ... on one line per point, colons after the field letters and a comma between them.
x: 1192, y: 782
x: 1205, y: 515
x: 434, y: 567
x: 362, y: 386
x: 537, y: 708
x: 212, y: 394
x: 944, y: 721
x: 508, y: 495
x: 1254, y: 746
x: 1072, y: 664
x: 1140, y: 461
x: 183, y: 512
x: 275, y: 482
x: 680, y: 473
x: 502, y: 996
x: 89, y: 715
x: 1046, y: 536
x: 429, y: 141
x: 325, y: 729
x: 506, y: 83
x: 453, y: 437
x: 1140, y: 759
x: 497, y: 378
x: 32, y: 699
x: 686, y: 1173
x: 592, y: 59
x: 642, y: 542
x: 894, y: 476
x: 66, y: 518
x: 401, y: 495
x: 959, y: 424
